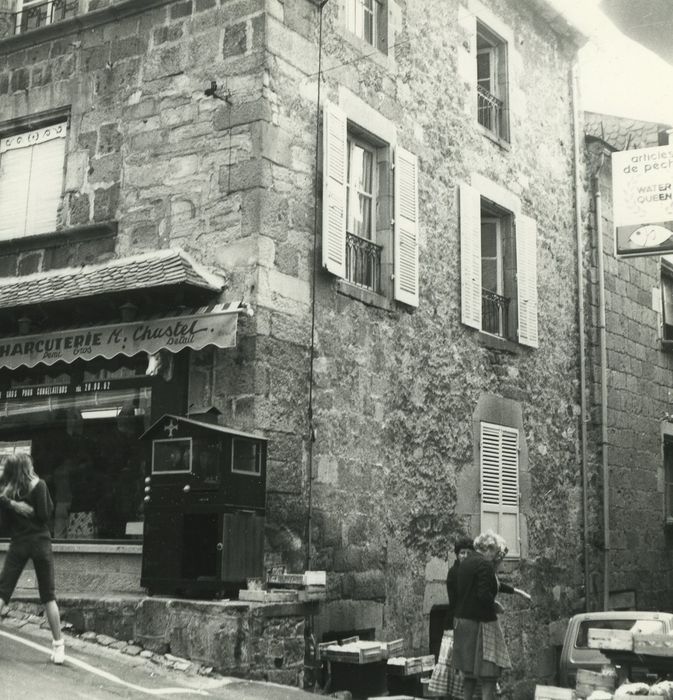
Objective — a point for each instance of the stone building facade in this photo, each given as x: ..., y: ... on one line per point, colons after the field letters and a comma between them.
x: 437, y: 340
x: 638, y: 383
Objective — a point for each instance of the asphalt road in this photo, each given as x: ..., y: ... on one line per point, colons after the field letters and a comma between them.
x: 94, y: 673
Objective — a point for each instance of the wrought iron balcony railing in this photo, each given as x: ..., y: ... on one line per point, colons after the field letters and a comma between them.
x: 489, y: 110
x: 36, y: 15
x: 494, y: 313
x: 363, y: 262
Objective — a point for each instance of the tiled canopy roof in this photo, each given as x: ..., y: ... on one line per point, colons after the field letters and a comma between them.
x: 622, y: 133
x: 154, y: 269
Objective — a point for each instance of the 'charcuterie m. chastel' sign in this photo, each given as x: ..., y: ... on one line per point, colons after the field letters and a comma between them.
x: 172, y: 334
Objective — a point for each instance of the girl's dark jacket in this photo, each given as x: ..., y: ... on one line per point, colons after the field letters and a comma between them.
x: 476, y: 589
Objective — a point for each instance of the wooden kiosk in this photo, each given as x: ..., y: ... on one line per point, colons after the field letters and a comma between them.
x: 204, y: 508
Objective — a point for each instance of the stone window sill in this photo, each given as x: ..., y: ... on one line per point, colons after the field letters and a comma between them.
x: 81, y: 22
x: 497, y: 140
x: 495, y: 342
x: 364, y: 295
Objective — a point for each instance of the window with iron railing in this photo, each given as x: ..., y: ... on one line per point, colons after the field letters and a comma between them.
x: 363, y: 254
x: 492, y: 82
x: 363, y: 262
x: 33, y: 14
x: 489, y: 110
x: 494, y: 313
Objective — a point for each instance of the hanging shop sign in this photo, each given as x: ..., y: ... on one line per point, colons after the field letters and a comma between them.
x: 642, y: 195
x: 172, y: 334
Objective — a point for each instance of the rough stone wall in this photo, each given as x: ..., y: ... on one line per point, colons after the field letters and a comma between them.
x: 396, y: 391
x: 639, y: 377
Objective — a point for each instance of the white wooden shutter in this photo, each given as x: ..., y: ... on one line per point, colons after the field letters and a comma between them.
x: 499, y: 452
x: 526, y: 279
x: 470, y: 256
x: 405, y: 255
x: 31, y: 181
x: 335, y: 154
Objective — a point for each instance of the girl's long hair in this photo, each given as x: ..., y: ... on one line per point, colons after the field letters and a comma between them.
x: 17, y: 476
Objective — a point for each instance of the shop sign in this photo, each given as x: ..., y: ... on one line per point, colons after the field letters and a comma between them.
x: 642, y: 195
x: 172, y: 334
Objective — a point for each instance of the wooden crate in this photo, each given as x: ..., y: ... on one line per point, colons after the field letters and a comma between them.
x: 355, y: 653
x: 588, y: 681
x: 653, y: 644
x: 610, y: 639
x: 551, y: 692
x: 405, y: 666
x: 393, y: 648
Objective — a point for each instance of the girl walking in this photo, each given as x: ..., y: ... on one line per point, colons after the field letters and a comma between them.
x: 25, y: 508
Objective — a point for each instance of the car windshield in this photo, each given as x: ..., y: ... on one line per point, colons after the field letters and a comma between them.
x: 636, y: 626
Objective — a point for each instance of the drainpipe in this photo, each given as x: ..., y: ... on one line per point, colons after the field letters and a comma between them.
x: 581, y: 327
x: 598, y: 208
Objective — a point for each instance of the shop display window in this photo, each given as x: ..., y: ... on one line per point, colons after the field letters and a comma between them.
x: 82, y: 430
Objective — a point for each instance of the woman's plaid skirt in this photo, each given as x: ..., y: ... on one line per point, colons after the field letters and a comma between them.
x: 445, y: 679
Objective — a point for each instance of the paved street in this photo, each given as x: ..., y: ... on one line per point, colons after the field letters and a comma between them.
x: 93, y: 673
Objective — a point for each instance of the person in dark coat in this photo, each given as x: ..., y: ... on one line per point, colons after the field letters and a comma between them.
x: 445, y: 680
x: 462, y: 548
x: 480, y: 651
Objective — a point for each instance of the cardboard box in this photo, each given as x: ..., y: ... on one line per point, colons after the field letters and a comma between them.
x: 653, y: 644
x: 551, y: 692
x: 610, y: 639
x: 315, y: 578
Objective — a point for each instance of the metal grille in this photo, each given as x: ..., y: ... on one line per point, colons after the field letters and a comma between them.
x: 494, y: 313
x: 40, y: 14
x: 363, y: 262
x: 489, y: 110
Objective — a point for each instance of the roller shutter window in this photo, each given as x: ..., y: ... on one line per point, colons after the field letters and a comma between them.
x: 31, y: 181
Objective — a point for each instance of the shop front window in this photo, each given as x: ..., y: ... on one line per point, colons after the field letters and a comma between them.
x: 83, y: 437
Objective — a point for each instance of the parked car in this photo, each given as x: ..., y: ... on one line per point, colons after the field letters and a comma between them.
x: 577, y: 654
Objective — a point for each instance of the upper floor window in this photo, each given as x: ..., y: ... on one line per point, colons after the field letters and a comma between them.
x: 32, y: 14
x: 499, y: 463
x: 367, y: 233
x: 367, y: 20
x: 492, y: 93
x: 668, y: 479
x: 498, y: 249
x: 667, y: 301
x: 31, y: 180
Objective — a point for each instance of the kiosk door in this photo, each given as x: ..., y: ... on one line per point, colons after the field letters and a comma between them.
x: 242, y: 546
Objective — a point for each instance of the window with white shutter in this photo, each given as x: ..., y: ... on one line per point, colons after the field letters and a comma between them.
x: 370, y: 210
x: 368, y: 20
x: 499, y: 462
x: 498, y: 251
x: 31, y: 181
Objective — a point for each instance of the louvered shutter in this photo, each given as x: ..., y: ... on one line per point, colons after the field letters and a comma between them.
x: 406, y: 227
x: 31, y: 181
x: 499, y: 452
x: 470, y: 256
x: 526, y: 279
x: 335, y: 154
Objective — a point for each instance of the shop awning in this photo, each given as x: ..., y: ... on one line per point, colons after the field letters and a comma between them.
x: 214, y: 325
x: 154, y: 269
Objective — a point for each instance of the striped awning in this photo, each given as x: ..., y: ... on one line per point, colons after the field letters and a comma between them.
x: 214, y: 325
